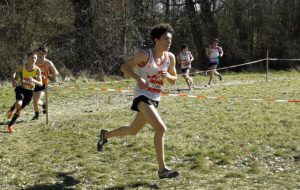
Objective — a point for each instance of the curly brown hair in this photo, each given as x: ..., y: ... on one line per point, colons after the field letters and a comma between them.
x: 159, y: 30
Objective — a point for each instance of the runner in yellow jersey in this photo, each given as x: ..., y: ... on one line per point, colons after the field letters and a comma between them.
x: 154, y: 67
x: 48, y: 70
x: 24, y: 79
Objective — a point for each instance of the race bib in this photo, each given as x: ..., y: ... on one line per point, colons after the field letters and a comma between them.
x: 27, y: 81
x: 155, y: 86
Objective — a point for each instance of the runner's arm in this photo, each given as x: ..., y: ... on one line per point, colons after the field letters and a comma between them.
x: 53, y: 72
x: 15, y: 75
x: 191, y: 57
x: 221, y: 51
x: 171, y: 75
x: 127, y: 68
x: 38, y: 79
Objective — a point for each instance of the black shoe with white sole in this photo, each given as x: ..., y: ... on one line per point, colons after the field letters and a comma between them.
x: 167, y: 173
x: 36, y: 117
x: 220, y: 77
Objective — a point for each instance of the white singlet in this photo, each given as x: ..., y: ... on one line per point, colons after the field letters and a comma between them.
x: 185, y: 58
x: 214, y: 53
x: 151, y: 72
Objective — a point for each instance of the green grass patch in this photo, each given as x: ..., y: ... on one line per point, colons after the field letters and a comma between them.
x: 228, y: 143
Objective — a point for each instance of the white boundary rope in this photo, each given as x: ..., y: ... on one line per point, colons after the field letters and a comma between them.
x: 275, y: 59
x: 243, y: 64
x: 233, y: 66
x: 249, y: 63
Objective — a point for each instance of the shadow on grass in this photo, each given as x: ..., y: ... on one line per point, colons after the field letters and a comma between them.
x: 4, y: 130
x: 6, y: 123
x: 134, y: 185
x: 68, y: 182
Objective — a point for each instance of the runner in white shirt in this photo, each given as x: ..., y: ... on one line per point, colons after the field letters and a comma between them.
x: 214, y: 53
x: 185, y: 60
x: 154, y: 67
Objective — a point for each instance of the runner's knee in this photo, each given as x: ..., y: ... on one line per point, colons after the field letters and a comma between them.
x: 19, y: 105
x: 40, y: 102
x: 160, y: 130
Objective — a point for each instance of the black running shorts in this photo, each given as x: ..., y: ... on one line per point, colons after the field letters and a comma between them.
x: 184, y: 71
x: 145, y: 99
x: 24, y: 95
x: 39, y: 88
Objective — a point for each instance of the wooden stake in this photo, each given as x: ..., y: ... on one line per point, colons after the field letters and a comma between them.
x: 46, y: 98
x: 267, y: 66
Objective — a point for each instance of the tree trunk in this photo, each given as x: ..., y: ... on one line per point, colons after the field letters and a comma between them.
x: 83, y: 25
x: 197, y: 31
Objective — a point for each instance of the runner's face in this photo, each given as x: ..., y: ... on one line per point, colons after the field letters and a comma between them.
x: 165, y: 41
x: 185, y: 49
x: 41, y: 54
x: 215, y: 43
x: 32, y: 59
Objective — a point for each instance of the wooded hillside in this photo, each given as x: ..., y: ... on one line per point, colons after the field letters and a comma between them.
x: 95, y: 36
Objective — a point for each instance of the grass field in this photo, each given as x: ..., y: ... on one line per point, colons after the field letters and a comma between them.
x: 227, y: 143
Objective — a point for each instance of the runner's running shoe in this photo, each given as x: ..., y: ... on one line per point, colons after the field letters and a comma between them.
x: 10, y: 129
x: 220, y: 77
x: 36, y: 117
x: 207, y: 85
x: 167, y: 173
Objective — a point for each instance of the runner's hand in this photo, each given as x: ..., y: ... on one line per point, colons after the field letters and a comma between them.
x: 142, y: 83
x: 30, y: 79
x: 164, y: 74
